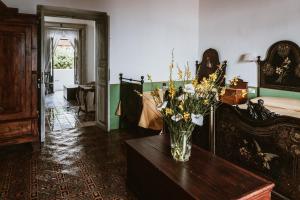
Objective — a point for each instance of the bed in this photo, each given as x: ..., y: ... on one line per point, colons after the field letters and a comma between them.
x: 140, y: 111
x: 136, y: 110
x: 208, y: 65
x: 268, y: 141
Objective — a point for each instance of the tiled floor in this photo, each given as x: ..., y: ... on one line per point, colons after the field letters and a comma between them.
x: 62, y: 115
x: 84, y: 163
x: 73, y: 163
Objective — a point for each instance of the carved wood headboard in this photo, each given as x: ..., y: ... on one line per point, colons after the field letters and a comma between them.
x: 209, y: 64
x: 281, y: 68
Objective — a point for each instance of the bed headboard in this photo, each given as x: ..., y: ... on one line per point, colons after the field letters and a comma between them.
x: 281, y: 68
x: 209, y: 64
x: 131, y: 102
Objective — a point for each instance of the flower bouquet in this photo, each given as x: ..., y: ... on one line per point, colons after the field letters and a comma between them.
x: 185, y: 104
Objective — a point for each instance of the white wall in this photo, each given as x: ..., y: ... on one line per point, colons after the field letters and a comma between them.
x: 142, y: 32
x: 90, y: 43
x: 236, y: 27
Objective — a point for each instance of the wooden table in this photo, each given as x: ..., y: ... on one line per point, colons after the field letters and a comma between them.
x: 85, y: 89
x: 153, y: 174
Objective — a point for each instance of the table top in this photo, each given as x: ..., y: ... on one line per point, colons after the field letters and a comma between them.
x: 87, y: 87
x: 204, y: 175
x: 71, y: 86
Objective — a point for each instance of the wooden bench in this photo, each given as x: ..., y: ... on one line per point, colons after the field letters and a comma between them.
x: 153, y: 174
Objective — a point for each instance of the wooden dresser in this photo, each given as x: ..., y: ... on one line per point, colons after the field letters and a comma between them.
x: 18, y: 77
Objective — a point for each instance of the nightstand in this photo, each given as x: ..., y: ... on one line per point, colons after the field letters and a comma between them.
x: 234, y: 96
x: 236, y: 93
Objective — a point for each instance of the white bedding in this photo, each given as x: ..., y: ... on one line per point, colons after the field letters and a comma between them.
x: 281, y: 106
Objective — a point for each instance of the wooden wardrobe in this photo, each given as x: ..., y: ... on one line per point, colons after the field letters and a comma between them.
x: 18, y: 77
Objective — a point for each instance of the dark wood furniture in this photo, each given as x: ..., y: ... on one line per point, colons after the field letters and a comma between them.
x: 131, y: 103
x: 271, y: 147
x: 273, y: 75
x: 153, y: 174
x: 18, y: 77
x: 83, y: 102
x: 236, y: 94
x: 70, y: 92
x: 209, y: 64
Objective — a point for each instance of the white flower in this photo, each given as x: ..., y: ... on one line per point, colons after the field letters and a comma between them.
x: 197, y: 119
x: 177, y: 117
x: 215, y: 90
x: 180, y: 98
x: 189, y: 88
x: 162, y: 106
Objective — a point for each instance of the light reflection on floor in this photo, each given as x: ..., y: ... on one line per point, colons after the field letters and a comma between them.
x: 62, y: 114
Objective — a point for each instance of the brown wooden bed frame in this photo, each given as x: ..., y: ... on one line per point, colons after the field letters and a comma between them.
x: 208, y: 65
x: 270, y: 148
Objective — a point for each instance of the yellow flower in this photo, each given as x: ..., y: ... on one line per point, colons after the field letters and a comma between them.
x: 169, y: 111
x: 206, y: 102
x: 188, y: 73
x: 234, y: 81
x: 149, y: 77
x: 213, y: 77
x: 181, y: 106
x: 172, y: 89
x: 186, y: 116
x: 223, y: 91
x: 180, y: 73
x: 195, y: 83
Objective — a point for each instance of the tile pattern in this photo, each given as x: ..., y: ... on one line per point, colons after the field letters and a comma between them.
x: 77, y: 161
x: 82, y: 163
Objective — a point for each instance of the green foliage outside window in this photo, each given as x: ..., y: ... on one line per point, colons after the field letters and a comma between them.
x: 64, y: 58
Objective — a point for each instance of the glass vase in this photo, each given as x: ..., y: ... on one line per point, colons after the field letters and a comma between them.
x: 181, y: 144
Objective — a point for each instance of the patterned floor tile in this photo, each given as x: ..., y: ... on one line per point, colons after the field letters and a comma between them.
x: 81, y: 162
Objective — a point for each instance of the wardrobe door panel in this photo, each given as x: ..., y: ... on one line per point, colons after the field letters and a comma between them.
x: 15, y: 62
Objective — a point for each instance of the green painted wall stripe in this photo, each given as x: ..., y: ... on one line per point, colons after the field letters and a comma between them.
x: 279, y: 93
x: 115, y: 96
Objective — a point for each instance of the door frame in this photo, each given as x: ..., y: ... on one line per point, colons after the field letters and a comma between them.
x: 101, y: 58
x: 82, y: 29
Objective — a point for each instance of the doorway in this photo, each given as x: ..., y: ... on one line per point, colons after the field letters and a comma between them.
x: 66, y: 47
x: 101, y: 71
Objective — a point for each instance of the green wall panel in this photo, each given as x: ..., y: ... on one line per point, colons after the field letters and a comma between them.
x: 279, y: 93
x: 115, y: 96
x: 114, y: 100
x: 273, y: 93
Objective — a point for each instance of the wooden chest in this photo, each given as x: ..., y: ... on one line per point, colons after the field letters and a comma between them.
x: 153, y: 174
x: 234, y: 96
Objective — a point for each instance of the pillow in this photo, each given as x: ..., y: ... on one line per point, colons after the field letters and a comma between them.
x: 280, y: 102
